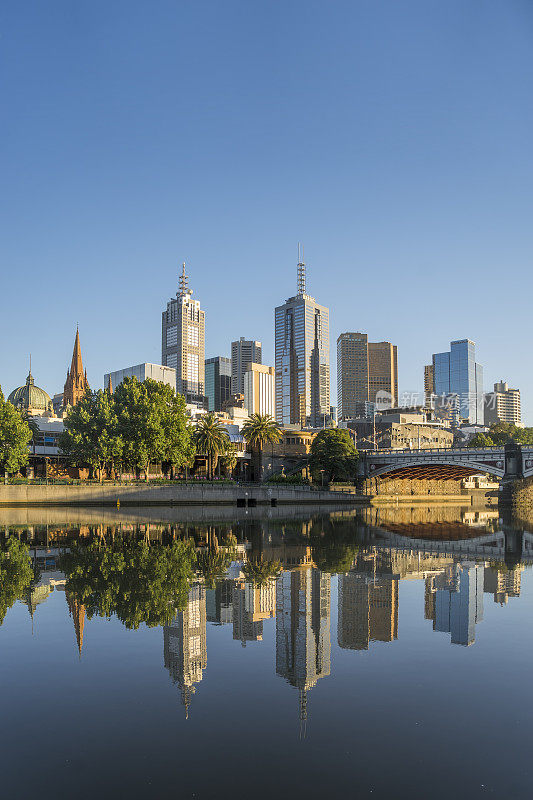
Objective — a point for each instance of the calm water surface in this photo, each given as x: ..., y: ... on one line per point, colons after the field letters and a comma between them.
x: 159, y: 654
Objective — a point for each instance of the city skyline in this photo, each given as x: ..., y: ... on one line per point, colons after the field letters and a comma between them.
x: 184, y: 296
x: 415, y: 200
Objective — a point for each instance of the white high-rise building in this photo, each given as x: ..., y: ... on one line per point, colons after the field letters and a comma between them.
x: 302, y: 358
x: 259, y: 397
x: 183, y: 341
x: 503, y: 405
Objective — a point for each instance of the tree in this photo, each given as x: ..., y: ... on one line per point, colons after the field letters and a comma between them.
x: 213, y: 565
x: 16, y: 573
x: 229, y: 459
x: 333, y: 451
x: 481, y: 440
x: 500, y: 434
x: 15, y: 436
x: 211, y: 439
x: 334, y: 544
x: 334, y: 556
x: 260, y: 570
x: 137, y: 582
x: 32, y: 425
x: 152, y: 424
x: 91, y: 434
x: 258, y: 430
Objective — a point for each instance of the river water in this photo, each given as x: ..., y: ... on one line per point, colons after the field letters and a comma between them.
x: 217, y: 654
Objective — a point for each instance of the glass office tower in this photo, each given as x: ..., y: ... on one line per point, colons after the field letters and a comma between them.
x: 217, y: 382
x: 457, y: 375
x: 302, y: 359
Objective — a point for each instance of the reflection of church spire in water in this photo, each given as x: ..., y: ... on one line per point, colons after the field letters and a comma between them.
x: 77, y: 612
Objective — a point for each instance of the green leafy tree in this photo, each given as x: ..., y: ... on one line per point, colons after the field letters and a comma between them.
x: 137, y: 582
x: 334, y: 544
x: 258, y: 430
x: 501, y: 434
x: 15, y: 436
x: 153, y: 424
x: 211, y: 439
x: 16, y: 574
x: 32, y: 425
x: 333, y: 451
x: 481, y: 440
x: 261, y: 570
x: 334, y: 556
x: 91, y: 434
x: 229, y: 459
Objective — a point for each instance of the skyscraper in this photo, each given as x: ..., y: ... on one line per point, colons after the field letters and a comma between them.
x: 303, y: 635
x: 364, y: 370
x: 458, y: 602
x: 217, y: 382
x: 259, y: 394
x: 429, y: 384
x: 243, y: 353
x: 383, y: 371
x: 503, y: 405
x: 302, y: 358
x: 457, y: 376
x: 183, y: 341
x: 185, y: 644
x: 367, y: 608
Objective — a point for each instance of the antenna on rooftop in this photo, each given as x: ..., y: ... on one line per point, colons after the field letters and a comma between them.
x: 301, y: 270
x: 183, y: 282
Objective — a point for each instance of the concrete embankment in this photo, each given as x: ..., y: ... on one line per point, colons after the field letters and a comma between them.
x: 111, y: 494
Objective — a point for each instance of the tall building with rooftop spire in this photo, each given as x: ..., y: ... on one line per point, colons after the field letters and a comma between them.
x: 76, y: 384
x: 302, y: 357
x: 183, y: 341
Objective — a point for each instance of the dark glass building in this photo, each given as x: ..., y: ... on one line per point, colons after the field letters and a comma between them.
x: 217, y: 381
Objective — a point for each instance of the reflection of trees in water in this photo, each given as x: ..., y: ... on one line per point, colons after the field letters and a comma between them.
x: 16, y: 573
x: 131, y: 579
x: 260, y: 571
x: 334, y: 544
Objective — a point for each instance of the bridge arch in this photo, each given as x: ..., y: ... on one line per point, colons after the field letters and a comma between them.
x: 435, y: 465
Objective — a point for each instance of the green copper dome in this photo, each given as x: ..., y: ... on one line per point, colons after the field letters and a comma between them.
x: 30, y: 397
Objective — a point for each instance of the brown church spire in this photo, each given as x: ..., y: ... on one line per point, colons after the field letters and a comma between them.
x: 77, y: 612
x: 76, y: 384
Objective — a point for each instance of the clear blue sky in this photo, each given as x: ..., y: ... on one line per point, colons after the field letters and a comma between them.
x: 394, y: 138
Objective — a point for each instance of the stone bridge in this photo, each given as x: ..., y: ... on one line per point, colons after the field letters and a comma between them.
x: 509, y: 462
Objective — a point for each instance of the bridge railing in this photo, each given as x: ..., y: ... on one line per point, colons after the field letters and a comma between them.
x: 429, y: 450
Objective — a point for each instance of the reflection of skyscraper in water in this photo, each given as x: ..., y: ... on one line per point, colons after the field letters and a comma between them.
x: 252, y: 604
x: 185, y: 644
x: 219, y: 602
x: 367, y: 608
x: 503, y: 583
x: 303, y: 638
x: 457, y: 604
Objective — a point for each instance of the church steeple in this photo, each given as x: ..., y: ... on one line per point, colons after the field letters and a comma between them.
x: 76, y: 384
x: 77, y: 612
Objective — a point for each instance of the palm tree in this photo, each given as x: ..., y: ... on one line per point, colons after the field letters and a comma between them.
x: 229, y: 459
x: 213, y: 566
x: 259, y: 571
x: 212, y: 439
x: 259, y: 430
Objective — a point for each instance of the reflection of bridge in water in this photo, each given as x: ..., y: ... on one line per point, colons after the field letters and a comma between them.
x: 471, y: 538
